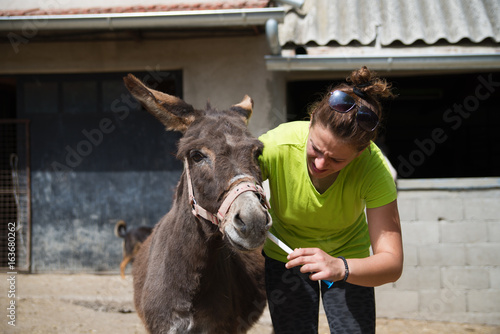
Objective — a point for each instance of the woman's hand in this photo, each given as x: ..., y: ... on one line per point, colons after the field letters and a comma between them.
x: 315, y: 261
x: 384, y: 266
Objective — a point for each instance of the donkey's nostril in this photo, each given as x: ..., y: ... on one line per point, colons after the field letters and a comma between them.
x: 240, y: 224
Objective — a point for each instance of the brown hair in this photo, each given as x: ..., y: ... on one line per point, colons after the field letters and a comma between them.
x: 344, y: 125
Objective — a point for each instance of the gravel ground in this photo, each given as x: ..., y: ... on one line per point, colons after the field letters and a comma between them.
x: 84, y: 303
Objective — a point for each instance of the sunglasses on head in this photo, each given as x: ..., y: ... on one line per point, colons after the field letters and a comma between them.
x: 342, y: 102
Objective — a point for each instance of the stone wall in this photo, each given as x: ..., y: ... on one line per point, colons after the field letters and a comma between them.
x: 451, y: 236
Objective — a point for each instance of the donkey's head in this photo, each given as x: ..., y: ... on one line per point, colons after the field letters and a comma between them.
x: 220, y: 159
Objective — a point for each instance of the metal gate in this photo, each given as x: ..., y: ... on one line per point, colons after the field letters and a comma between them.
x: 15, y: 213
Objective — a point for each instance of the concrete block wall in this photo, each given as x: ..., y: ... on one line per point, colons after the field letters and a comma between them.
x: 451, y: 236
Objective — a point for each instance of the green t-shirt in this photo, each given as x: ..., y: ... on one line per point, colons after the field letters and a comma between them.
x: 334, y: 221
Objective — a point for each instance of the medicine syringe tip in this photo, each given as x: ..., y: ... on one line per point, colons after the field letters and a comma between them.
x: 288, y: 250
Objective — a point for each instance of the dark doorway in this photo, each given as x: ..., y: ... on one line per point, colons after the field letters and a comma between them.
x: 439, y: 126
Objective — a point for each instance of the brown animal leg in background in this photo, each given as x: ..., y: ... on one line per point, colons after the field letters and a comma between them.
x: 124, y: 263
x: 128, y: 258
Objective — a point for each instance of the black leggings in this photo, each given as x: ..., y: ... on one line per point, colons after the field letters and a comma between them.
x: 293, y: 301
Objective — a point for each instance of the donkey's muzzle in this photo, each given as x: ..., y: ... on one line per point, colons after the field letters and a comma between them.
x: 247, y: 222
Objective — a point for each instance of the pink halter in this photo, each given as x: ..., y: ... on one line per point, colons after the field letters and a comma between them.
x: 234, y: 192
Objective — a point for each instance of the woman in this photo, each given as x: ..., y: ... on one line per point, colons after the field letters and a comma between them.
x: 322, y: 175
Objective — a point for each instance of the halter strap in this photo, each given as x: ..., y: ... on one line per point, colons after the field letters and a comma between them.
x: 237, y: 191
x: 197, y: 210
x: 234, y: 192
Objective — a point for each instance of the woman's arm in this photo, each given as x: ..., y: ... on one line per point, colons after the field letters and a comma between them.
x: 384, y: 266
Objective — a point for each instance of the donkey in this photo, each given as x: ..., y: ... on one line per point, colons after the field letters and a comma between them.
x: 201, y: 269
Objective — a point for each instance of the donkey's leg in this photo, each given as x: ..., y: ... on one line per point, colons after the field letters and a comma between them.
x: 139, y: 271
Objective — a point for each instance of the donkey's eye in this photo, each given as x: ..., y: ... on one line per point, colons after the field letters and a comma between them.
x: 196, y: 156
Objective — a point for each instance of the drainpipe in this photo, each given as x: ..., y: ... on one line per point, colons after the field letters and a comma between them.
x: 272, y: 27
x: 272, y: 36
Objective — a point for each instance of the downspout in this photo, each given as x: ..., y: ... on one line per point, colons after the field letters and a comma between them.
x: 272, y: 37
x: 272, y: 27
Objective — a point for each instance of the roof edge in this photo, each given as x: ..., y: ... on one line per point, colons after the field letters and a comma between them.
x: 144, y: 20
x: 387, y: 62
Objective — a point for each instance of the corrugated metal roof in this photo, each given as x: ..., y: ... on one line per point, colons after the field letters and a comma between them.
x: 390, y: 21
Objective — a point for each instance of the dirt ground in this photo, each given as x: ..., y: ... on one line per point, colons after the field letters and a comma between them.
x: 77, y: 304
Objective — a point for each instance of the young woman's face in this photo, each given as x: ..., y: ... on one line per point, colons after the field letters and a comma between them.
x: 327, y: 155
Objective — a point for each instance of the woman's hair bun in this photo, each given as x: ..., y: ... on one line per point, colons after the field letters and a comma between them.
x: 368, y: 82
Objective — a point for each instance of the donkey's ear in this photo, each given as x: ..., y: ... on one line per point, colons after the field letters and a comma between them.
x: 173, y: 112
x: 244, y: 108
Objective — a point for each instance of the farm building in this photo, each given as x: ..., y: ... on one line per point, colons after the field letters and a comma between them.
x: 78, y: 154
